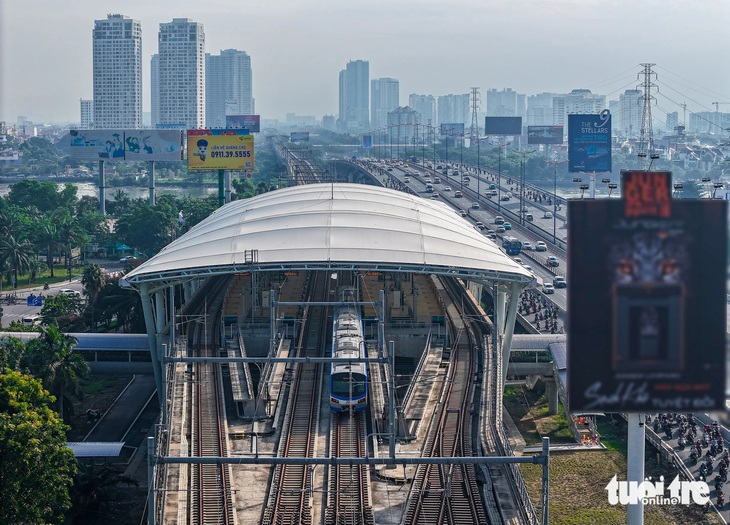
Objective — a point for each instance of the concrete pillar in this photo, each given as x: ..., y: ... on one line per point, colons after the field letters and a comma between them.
x: 187, y: 291
x: 102, y: 186
x: 159, y: 311
x: 151, y: 170
x: 551, y: 392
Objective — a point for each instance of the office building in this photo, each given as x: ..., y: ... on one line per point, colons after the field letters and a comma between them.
x: 453, y: 109
x: 630, y: 110
x: 540, y: 109
x: 228, y: 86
x: 87, y: 113
x: 354, y: 97
x: 425, y: 105
x: 505, y: 103
x: 384, y: 97
x: 117, y: 72
x: 404, y: 125
x: 181, y: 50
x: 579, y: 101
x: 155, y: 89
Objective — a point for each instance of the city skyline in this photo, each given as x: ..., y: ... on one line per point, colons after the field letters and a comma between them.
x: 298, y: 49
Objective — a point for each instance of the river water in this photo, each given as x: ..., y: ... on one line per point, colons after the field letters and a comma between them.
x: 92, y: 190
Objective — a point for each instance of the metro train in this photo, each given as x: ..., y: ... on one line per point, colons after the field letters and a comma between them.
x: 348, y: 381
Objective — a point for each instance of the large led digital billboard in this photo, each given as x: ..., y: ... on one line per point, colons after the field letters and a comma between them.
x: 299, y: 136
x: 250, y: 122
x: 544, y: 134
x: 129, y: 145
x: 589, y: 142
x: 220, y: 149
x: 646, y: 301
x: 503, y: 125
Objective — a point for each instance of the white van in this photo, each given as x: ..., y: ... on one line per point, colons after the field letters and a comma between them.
x: 32, y: 320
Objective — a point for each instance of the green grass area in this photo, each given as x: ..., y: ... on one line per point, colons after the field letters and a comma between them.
x: 529, y: 411
x: 613, y: 433
x: 61, y: 276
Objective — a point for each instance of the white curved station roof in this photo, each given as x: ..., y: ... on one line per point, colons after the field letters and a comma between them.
x: 321, y: 226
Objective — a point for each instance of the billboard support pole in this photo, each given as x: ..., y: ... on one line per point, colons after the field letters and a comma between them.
x: 221, y: 195
x: 228, y: 187
x: 592, y: 180
x: 102, y: 184
x: 635, y: 465
x: 152, y: 182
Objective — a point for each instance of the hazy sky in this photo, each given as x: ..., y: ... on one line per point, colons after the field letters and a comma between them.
x: 434, y: 47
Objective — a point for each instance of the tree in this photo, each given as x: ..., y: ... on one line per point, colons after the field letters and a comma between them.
x: 51, y: 358
x: 15, y: 255
x: 36, y: 466
x: 93, y: 280
x: 148, y: 228
x: 11, y: 352
x: 92, y: 486
x: 48, y: 237
x: 61, y: 310
x: 123, y: 306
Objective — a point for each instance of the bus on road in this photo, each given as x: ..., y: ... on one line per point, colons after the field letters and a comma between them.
x: 511, y: 245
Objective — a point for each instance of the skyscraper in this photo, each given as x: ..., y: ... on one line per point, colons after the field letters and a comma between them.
x: 384, y: 95
x: 630, y: 110
x: 354, y: 97
x: 453, y: 109
x: 181, y: 47
x: 155, y: 89
x: 425, y: 105
x: 117, y: 71
x: 87, y: 113
x: 227, y: 86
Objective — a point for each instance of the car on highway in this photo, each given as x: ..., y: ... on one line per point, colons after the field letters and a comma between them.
x: 128, y: 258
x: 406, y: 180
x: 447, y: 188
x: 434, y: 196
x: 390, y: 169
x: 548, y: 288
x: 462, y: 213
x: 505, y: 197
x: 560, y: 282
x: 479, y: 225
x: 507, y: 226
x: 500, y: 229
x: 552, y: 261
x: 540, y: 246
x: 69, y: 292
x: 526, y: 245
x: 474, y: 205
x: 458, y: 194
x: 437, y: 180
x: 548, y: 215
x: 499, y: 219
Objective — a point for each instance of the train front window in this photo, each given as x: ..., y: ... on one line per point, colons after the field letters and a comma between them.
x: 344, y: 386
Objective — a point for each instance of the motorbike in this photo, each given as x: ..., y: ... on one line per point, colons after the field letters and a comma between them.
x: 693, y: 456
x: 720, y: 500
x: 45, y: 286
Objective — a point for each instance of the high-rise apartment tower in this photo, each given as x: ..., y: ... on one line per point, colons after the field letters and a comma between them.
x: 117, y: 72
x: 181, y: 50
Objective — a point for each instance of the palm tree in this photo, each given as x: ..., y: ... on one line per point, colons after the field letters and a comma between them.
x: 15, y: 255
x: 93, y: 280
x: 51, y: 358
x: 48, y: 237
x: 71, y: 235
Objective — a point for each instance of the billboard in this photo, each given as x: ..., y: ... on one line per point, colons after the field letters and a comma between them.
x: 455, y: 129
x: 503, y: 125
x: 367, y: 141
x: 250, y: 122
x: 97, y: 144
x: 589, y: 142
x: 299, y: 136
x: 646, y: 291
x: 544, y: 134
x: 129, y: 145
x: 153, y: 144
x: 220, y: 149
